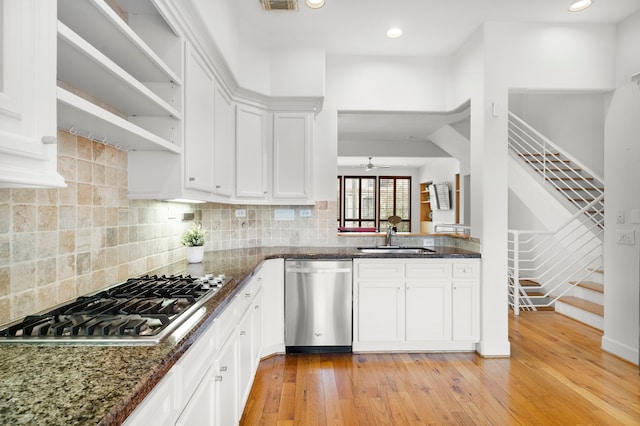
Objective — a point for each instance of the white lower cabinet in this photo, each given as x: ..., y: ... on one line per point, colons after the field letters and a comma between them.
x: 272, y: 275
x: 428, y: 309
x: 158, y: 408
x: 380, y: 311
x: 210, y: 384
x: 199, y: 409
x: 416, y: 304
x: 226, y: 380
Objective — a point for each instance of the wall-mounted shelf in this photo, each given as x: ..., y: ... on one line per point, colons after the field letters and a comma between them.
x: 425, y: 208
x: 104, y: 29
x: 84, y: 67
x: 89, y: 120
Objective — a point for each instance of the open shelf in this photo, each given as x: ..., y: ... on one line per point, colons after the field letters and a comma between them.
x: 86, y: 68
x: 89, y: 120
x: 104, y: 29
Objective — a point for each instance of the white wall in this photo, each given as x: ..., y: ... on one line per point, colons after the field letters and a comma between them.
x: 297, y: 72
x: 387, y: 83
x: 574, y: 122
x: 622, y: 174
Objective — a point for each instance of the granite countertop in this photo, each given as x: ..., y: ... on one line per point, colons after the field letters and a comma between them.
x: 66, y: 384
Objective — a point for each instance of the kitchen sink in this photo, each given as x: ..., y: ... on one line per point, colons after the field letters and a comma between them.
x: 395, y: 250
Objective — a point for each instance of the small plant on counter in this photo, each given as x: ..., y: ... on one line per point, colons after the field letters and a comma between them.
x: 194, y: 236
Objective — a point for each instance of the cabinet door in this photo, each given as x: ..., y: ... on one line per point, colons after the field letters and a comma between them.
x: 28, y: 130
x: 157, y: 407
x: 272, y: 274
x: 226, y: 384
x: 256, y: 330
x: 292, y: 134
x: 199, y: 113
x: 224, y: 140
x: 200, y: 409
x: 428, y: 313
x: 245, y: 356
x: 466, y: 308
x: 380, y: 311
x: 251, y: 166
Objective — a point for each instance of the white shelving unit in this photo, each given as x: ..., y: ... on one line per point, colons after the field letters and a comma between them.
x: 104, y: 29
x: 107, y: 126
x: 115, y: 88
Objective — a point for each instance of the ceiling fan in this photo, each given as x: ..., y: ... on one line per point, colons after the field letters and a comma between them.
x: 370, y: 166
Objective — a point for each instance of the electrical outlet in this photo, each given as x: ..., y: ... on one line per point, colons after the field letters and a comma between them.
x: 241, y: 213
x: 626, y: 237
x: 428, y: 242
x: 305, y: 212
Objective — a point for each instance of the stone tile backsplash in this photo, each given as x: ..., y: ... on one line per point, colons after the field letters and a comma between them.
x: 57, y: 244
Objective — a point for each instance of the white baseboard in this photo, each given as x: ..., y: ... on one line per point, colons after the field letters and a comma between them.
x: 620, y: 349
x: 494, y: 349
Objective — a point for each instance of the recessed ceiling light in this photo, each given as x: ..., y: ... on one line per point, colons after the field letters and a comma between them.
x: 578, y: 5
x: 394, y: 32
x: 315, y: 4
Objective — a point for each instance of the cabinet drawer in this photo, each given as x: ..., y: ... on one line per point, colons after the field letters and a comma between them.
x: 225, y: 323
x: 196, y: 360
x: 466, y: 270
x: 380, y: 269
x: 428, y: 270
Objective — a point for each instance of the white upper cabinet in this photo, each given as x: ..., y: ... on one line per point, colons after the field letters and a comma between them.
x: 251, y: 153
x: 224, y: 143
x: 28, y: 151
x: 118, y: 75
x: 199, y: 124
x: 292, y: 144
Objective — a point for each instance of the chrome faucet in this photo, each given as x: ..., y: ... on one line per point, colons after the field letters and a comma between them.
x: 388, y: 239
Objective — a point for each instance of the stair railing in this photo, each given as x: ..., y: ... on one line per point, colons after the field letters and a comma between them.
x: 557, y: 260
x: 579, y: 183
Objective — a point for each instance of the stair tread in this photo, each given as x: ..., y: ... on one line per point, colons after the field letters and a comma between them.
x: 585, y: 305
x: 529, y: 283
x: 591, y: 285
x: 596, y: 270
x: 569, y: 178
x: 580, y: 189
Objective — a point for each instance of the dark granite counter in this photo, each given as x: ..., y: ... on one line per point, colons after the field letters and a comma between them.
x: 65, y: 384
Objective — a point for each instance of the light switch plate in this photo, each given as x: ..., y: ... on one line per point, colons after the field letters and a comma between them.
x: 305, y: 212
x: 626, y: 237
x: 283, y: 214
x: 620, y: 217
x: 635, y: 216
x: 241, y: 213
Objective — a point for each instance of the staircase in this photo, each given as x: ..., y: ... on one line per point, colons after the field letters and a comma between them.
x: 558, y: 269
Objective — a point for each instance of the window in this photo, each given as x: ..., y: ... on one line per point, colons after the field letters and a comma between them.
x: 367, y: 202
x: 395, y: 200
x: 359, y: 202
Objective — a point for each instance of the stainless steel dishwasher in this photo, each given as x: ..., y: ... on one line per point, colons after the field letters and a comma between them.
x: 318, y: 306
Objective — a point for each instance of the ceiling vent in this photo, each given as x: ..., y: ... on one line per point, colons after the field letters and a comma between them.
x: 279, y: 4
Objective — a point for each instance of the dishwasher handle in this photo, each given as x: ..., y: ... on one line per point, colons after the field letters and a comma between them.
x: 318, y: 271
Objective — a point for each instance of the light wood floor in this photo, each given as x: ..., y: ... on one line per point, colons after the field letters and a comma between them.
x: 557, y: 375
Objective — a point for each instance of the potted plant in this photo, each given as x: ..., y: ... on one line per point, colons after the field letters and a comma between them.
x: 193, y: 239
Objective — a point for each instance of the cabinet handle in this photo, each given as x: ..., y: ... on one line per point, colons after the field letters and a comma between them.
x: 243, y: 333
x: 218, y: 378
x: 218, y: 186
x: 223, y: 368
x: 192, y: 179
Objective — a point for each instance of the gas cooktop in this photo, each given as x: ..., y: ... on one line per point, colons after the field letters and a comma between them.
x: 142, y: 310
